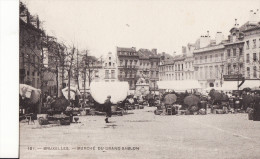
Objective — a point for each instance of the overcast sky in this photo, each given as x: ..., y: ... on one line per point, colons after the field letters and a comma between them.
x: 100, y: 26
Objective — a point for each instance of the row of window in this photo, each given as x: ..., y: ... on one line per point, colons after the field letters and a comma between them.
x: 210, y: 72
x: 127, y: 62
x: 253, y: 45
x: 210, y: 58
x: 107, y: 74
x: 109, y: 64
x: 127, y: 53
x: 254, y: 59
x: 234, y: 52
x: 179, y: 76
x: 253, y: 74
x: 135, y: 62
x: 176, y: 67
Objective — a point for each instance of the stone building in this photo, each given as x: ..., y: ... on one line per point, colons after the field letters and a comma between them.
x: 251, y: 30
x: 209, y: 60
x: 149, y: 67
x: 30, y: 48
x: 166, y: 67
x: 128, y: 64
x: 234, y: 52
x: 109, y: 69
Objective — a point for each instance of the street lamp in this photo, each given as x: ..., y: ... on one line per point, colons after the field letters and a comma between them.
x: 222, y: 70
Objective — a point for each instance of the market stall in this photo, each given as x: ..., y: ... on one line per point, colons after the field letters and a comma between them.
x: 117, y: 91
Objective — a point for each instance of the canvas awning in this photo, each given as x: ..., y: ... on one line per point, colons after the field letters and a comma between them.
x: 250, y: 84
x: 179, y: 85
x: 230, y: 85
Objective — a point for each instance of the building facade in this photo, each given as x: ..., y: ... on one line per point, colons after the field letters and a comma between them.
x: 251, y: 50
x: 234, y: 53
x: 148, y: 69
x: 128, y: 64
x: 109, y: 72
x: 209, y: 65
x: 30, y: 48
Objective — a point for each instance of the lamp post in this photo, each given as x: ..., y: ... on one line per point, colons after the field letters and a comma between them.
x: 222, y: 70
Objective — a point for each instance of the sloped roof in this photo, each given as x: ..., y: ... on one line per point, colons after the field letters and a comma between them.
x: 146, y: 54
x: 126, y: 49
x: 247, y: 27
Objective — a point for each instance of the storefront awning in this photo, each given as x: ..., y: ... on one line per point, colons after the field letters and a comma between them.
x: 229, y: 85
x: 179, y: 85
x: 250, y: 84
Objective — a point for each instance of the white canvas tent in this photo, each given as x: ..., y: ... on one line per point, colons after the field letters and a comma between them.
x: 30, y: 92
x: 179, y: 85
x: 117, y: 91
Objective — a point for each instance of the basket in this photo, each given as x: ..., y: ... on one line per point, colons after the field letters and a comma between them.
x: 42, y: 121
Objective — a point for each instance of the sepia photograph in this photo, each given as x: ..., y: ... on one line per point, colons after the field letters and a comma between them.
x: 139, y: 79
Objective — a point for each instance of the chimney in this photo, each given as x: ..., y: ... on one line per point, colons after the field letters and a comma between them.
x: 219, y: 37
x: 174, y: 53
x: 204, y: 40
x: 163, y: 53
x: 207, y: 33
x: 258, y: 15
x: 134, y: 48
x: 184, y: 51
x: 253, y: 17
x: 235, y: 25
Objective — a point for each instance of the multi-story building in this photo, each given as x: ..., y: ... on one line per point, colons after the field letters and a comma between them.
x: 178, y: 67
x: 128, y: 64
x: 30, y: 48
x: 109, y: 71
x: 148, y: 67
x: 234, y: 52
x: 166, y: 67
x: 251, y: 31
x: 209, y: 61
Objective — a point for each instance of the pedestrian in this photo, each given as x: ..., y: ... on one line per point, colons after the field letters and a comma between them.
x: 107, y: 106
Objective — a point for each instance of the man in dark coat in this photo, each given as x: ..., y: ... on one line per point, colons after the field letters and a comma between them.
x: 107, y: 106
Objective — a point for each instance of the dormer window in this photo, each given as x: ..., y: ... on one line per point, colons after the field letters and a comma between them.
x: 234, y: 38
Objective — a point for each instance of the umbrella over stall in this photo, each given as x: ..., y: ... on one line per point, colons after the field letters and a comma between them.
x: 191, y: 100
x: 170, y: 99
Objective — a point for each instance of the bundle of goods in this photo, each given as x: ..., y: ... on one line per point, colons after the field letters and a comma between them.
x: 158, y: 112
x: 193, y: 109
x: 202, y: 111
x: 219, y: 111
